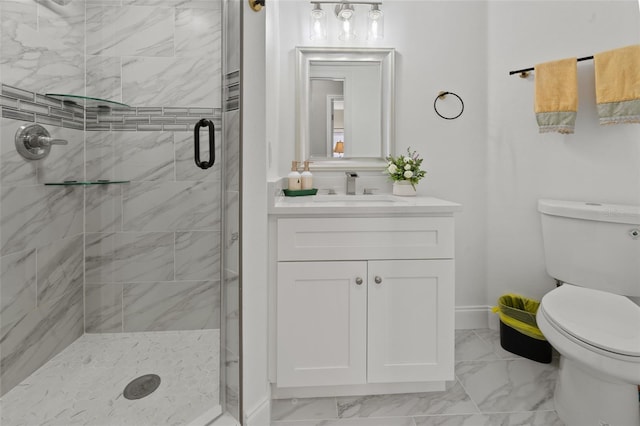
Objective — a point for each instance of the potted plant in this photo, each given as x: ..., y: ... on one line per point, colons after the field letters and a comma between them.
x: 405, y: 172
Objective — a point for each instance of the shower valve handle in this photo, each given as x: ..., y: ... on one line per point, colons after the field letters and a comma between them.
x: 47, y: 141
x: 34, y: 142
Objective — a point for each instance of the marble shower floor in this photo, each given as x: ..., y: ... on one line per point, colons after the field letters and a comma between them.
x: 83, y: 384
x: 493, y: 387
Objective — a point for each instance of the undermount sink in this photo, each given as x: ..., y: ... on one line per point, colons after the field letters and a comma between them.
x: 379, y: 198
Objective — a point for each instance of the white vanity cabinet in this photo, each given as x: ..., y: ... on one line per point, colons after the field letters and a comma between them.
x: 364, y: 304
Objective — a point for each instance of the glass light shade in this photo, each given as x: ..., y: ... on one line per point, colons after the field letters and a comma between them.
x: 318, y: 24
x: 346, y: 31
x: 345, y: 14
x: 375, y: 24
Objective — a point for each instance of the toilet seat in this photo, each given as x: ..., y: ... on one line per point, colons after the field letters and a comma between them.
x: 606, y: 321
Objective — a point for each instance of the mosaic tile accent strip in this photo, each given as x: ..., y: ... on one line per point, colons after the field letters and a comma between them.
x: 172, y: 119
x: 23, y: 105
x: 231, y: 91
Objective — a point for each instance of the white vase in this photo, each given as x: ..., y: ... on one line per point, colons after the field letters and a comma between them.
x: 403, y: 188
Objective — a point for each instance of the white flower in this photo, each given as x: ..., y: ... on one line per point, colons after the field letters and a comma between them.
x: 407, y: 166
x: 392, y: 169
x: 407, y: 159
x: 408, y: 174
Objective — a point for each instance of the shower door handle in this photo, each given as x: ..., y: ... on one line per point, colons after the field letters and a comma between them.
x: 212, y: 142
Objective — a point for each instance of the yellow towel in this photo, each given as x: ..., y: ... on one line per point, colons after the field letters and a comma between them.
x: 618, y: 85
x: 556, y: 100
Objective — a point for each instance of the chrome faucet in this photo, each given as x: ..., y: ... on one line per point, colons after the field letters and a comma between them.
x: 351, y: 182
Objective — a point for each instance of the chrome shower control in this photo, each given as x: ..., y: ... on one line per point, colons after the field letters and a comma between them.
x: 635, y: 233
x: 34, y: 142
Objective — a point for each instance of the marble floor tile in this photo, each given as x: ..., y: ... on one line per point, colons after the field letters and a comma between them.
x: 457, y: 420
x: 383, y: 421
x: 454, y: 400
x: 535, y: 418
x: 508, y: 385
x: 83, y: 384
x: 470, y: 347
x: 304, y: 409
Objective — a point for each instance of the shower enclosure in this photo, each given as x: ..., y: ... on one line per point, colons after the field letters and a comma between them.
x: 119, y: 277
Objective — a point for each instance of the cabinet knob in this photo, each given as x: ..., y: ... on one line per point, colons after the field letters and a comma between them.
x: 359, y: 281
x: 378, y: 279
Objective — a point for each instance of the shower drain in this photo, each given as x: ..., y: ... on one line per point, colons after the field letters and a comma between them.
x: 141, y: 386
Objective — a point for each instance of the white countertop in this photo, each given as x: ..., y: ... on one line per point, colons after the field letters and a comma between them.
x: 341, y: 204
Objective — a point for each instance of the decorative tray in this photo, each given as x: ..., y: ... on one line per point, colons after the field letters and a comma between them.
x: 300, y: 192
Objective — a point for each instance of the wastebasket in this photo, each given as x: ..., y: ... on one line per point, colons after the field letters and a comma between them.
x: 519, y: 332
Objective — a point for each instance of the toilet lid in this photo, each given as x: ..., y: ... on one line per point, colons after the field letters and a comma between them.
x: 604, y: 320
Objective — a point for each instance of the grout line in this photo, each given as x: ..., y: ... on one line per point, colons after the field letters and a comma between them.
x: 467, y: 393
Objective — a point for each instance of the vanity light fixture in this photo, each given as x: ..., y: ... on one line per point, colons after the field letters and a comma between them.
x: 345, y: 13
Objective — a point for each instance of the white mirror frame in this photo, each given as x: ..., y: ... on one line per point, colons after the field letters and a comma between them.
x: 386, y: 58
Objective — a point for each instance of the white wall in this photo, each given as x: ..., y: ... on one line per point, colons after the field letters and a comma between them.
x: 256, y: 396
x: 440, y: 46
x: 597, y: 163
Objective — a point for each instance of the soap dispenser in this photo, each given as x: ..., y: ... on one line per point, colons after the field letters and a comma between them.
x: 295, y: 181
x: 307, y: 177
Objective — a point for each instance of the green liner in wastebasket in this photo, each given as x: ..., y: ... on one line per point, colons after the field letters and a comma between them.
x: 519, y: 313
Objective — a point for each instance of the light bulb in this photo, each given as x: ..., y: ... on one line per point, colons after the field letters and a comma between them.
x: 376, y: 23
x: 345, y: 13
x: 318, y: 23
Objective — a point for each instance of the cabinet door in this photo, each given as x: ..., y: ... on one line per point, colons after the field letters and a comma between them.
x: 411, y: 320
x: 321, y: 323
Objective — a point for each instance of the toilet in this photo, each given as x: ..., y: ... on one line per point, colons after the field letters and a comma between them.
x: 591, y: 319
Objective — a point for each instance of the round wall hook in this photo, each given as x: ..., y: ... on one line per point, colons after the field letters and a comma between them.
x: 443, y: 95
x: 256, y: 5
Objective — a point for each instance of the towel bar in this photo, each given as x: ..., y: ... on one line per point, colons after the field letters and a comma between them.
x: 525, y: 71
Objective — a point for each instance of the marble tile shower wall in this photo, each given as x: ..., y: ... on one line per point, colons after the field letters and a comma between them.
x: 151, y: 247
x: 41, y: 227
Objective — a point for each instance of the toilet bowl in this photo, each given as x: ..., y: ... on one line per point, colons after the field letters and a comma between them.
x: 594, y: 249
x: 598, y: 337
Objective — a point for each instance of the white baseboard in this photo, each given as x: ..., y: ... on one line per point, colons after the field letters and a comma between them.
x: 469, y: 317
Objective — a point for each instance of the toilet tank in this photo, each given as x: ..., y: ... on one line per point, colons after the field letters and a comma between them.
x: 592, y: 245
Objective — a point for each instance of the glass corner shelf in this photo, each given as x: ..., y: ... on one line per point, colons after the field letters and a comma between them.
x: 85, y: 183
x: 86, y: 101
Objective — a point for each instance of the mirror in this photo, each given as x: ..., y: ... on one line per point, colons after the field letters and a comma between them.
x: 345, y: 107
